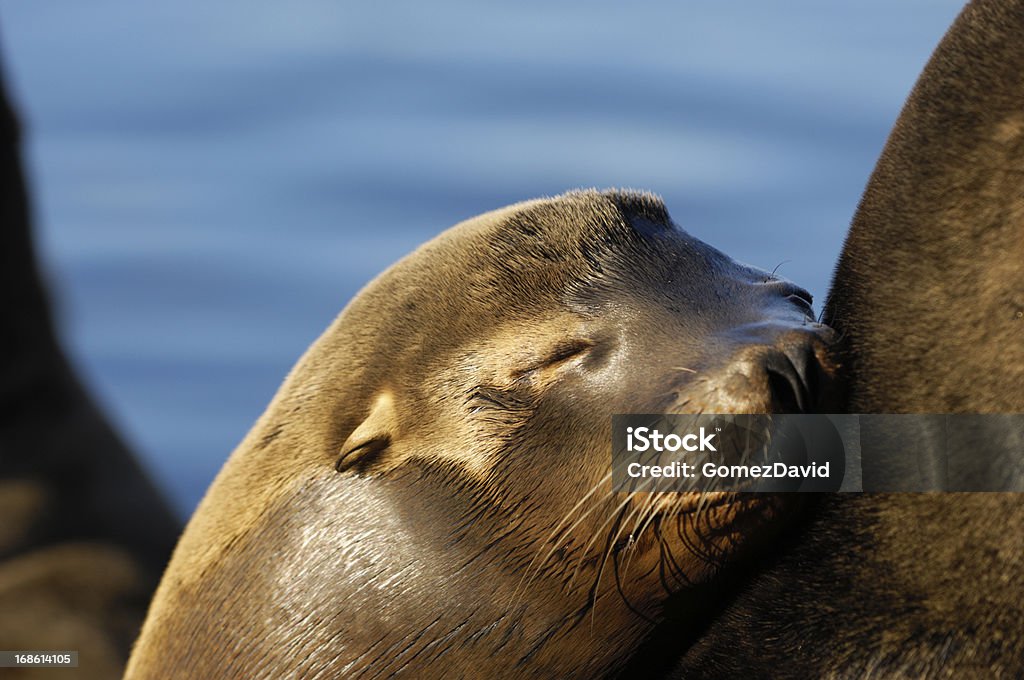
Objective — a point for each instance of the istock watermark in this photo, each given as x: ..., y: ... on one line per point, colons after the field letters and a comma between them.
x: 643, y: 438
x: 840, y: 452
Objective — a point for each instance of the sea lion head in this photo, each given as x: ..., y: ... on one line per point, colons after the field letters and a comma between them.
x: 430, y: 489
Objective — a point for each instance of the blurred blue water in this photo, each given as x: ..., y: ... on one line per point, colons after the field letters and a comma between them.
x: 213, y: 181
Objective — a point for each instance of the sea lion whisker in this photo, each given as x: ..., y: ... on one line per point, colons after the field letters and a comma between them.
x: 622, y: 593
x: 771, y: 277
x: 621, y: 522
x: 611, y: 517
x: 569, y: 515
x: 699, y: 544
x: 613, y: 536
x: 668, y: 569
x: 668, y: 556
x: 650, y: 511
x: 534, y: 567
x: 693, y: 543
x: 665, y: 562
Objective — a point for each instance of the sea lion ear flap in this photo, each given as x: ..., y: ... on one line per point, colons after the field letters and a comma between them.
x: 371, y: 437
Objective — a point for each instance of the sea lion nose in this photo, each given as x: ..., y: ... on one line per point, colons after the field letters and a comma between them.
x: 774, y: 366
x: 800, y: 371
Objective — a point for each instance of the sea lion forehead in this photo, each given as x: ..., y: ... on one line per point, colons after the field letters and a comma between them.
x: 571, y: 233
x: 566, y: 220
x: 519, y: 258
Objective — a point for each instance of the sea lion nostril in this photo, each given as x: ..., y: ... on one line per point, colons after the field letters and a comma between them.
x: 787, y: 393
x: 787, y: 380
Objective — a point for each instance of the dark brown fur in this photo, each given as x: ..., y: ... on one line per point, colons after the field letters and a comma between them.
x: 928, y: 298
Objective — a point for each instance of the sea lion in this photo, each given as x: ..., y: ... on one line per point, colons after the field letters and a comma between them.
x: 428, y: 494
x: 84, y: 535
x: 928, y: 299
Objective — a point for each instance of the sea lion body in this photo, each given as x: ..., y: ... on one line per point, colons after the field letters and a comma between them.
x: 928, y: 299
x: 429, y: 492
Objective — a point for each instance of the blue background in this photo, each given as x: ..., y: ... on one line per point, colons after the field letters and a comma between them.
x: 213, y: 181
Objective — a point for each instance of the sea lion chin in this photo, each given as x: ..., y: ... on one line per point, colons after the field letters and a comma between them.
x: 429, y: 492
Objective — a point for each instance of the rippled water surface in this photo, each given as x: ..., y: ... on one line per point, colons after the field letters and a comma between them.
x: 213, y: 181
